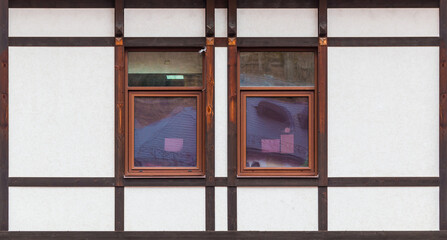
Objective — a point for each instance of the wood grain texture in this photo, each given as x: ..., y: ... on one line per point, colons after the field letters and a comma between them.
x: 232, y: 18
x: 61, y: 41
x: 61, y: 4
x: 277, y: 42
x: 345, y: 235
x: 164, y: 4
x: 165, y: 42
x: 443, y: 116
x: 209, y: 18
x: 4, y: 118
x: 210, y: 208
x: 277, y: 4
x: 382, y: 41
x: 383, y: 4
x: 384, y: 182
x: 322, y: 209
x: 61, y: 182
x: 232, y: 208
x: 119, y: 209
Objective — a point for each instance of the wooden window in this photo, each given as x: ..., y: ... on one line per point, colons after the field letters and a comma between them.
x: 276, y: 92
x: 164, y: 112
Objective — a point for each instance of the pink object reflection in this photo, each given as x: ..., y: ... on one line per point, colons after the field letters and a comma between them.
x: 270, y: 145
x: 173, y: 144
x: 286, y: 143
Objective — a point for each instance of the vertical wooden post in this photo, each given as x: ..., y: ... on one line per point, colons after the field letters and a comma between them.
x: 322, y: 116
x: 232, y: 115
x: 443, y: 116
x: 4, y: 119
x: 119, y: 115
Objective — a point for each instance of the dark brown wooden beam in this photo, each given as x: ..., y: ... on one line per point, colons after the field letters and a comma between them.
x: 277, y: 4
x: 322, y: 209
x: 232, y: 208
x: 61, y: 41
x: 210, y: 208
x: 165, y: 42
x: 119, y: 115
x: 277, y: 42
x: 209, y: 18
x: 61, y: 182
x: 164, y: 4
x: 311, y: 235
x: 161, y: 182
x: 61, y: 4
x: 276, y: 182
x: 384, y: 182
x: 382, y: 41
x: 383, y: 3
x: 232, y: 18
x: 221, y: 3
x: 119, y: 209
x: 443, y: 116
x: 4, y: 119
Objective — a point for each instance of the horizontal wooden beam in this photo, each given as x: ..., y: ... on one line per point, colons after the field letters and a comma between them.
x: 165, y: 182
x: 277, y: 4
x: 61, y: 4
x: 164, y: 4
x: 312, y: 235
x: 382, y: 41
x: 224, y: 4
x: 383, y: 3
x: 277, y: 42
x: 61, y: 41
x: 222, y: 181
x: 165, y: 42
x: 61, y: 182
x: 385, y: 182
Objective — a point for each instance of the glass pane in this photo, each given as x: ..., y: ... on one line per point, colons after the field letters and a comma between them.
x: 277, y: 69
x: 165, y: 132
x: 165, y: 69
x: 277, y: 132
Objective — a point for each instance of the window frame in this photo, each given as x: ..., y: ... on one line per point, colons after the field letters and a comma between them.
x: 160, y: 91
x: 277, y: 91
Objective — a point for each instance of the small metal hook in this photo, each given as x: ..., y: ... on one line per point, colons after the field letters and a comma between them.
x: 202, y: 50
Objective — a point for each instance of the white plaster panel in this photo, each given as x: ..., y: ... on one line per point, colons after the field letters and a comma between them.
x: 383, y: 111
x: 220, y: 25
x: 277, y: 208
x: 277, y: 22
x: 383, y: 209
x: 61, y: 209
x: 221, y: 209
x: 389, y: 22
x: 59, y: 22
x: 61, y: 110
x: 158, y: 22
x: 221, y: 118
x: 164, y: 209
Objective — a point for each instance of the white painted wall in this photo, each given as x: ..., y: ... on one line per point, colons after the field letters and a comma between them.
x: 221, y: 208
x: 220, y: 22
x: 389, y: 22
x: 61, y: 111
x: 164, y: 209
x: 61, y: 209
x: 158, y: 22
x: 383, y: 209
x: 277, y: 22
x: 383, y: 111
x: 59, y: 22
x: 277, y: 208
x: 220, y: 111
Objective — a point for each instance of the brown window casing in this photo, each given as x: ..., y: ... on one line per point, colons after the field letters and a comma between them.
x: 260, y: 91
x: 163, y: 91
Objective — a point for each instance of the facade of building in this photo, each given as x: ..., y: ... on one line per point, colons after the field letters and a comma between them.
x: 222, y: 119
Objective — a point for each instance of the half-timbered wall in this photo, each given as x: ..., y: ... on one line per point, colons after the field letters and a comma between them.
x: 381, y: 120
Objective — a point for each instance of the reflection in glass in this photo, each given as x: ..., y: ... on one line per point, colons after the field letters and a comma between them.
x: 277, y: 132
x: 165, y: 132
x: 165, y: 69
x: 280, y: 69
